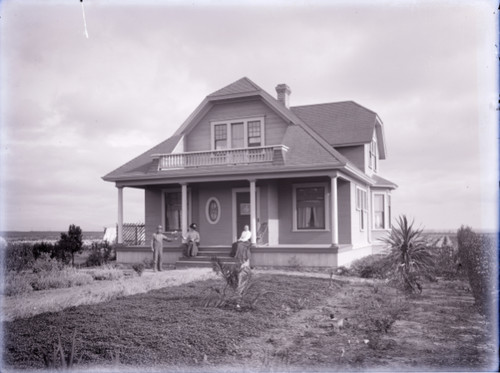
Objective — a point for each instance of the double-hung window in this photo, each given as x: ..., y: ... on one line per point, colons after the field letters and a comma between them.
x: 240, y: 133
x: 310, y: 207
x: 361, y: 207
x: 378, y: 211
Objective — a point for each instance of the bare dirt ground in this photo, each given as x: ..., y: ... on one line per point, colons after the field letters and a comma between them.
x: 289, y: 330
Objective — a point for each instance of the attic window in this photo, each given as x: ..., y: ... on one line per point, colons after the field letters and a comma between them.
x: 240, y: 133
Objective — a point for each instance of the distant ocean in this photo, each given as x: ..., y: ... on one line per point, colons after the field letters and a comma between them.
x: 48, y: 236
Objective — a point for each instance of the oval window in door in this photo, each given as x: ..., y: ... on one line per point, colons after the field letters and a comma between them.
x: 213, y: 210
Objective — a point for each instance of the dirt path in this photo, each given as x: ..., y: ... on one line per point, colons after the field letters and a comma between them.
x: 27, y: 305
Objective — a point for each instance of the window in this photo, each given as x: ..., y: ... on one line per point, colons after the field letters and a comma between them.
x: 242, y: 133
x: 373, y: 155
x: 220, y: 136
x: 378, y: 211
x: 213, y: 210
x: 173, y: 211
x: 389, y: 212
x: 361, y: 207
x: 310, y: 207
x: 254, y: 133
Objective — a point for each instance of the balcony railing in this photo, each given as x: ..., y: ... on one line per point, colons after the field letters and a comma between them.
x: 269, y: 154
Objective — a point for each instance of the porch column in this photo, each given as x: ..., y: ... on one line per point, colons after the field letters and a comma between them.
x: 119, y: 233
x: 253, y: 212
x: 334, y: 212
x: 370, y: 213
x: 184, y: 207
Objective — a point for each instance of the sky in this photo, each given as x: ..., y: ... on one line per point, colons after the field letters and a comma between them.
x: 73, y: 108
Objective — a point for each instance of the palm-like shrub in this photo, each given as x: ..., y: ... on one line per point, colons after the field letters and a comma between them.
x: 409, y: 258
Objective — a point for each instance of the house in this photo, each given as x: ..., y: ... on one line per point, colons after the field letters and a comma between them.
x: 304, y: 178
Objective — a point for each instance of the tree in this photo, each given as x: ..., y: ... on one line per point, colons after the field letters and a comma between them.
x: 409, y: 256
x: 71, y: 243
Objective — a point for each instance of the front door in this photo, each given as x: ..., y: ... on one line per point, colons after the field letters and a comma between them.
x: 242, y: 211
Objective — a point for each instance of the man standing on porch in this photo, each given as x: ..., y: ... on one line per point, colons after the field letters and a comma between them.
x: 157, y: 248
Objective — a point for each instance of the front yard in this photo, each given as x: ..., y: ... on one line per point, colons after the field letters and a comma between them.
x: 289, y: 329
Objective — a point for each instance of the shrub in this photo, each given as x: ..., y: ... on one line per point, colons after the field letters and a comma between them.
x: 16, y: 284
x: 478, y: 256
x: 46, y: 264
x: 100, y: 253
x: 65, y: 278
x: 40, y: 248
x: 409, y: 258
x: 138, y: 268
x: 105, y: 273
x: 371, y: 266
x: 379, y: 311
x: 446, y: 262
x: 19, y: 257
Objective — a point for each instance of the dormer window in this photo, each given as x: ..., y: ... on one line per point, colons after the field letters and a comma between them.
x: 240, y: 133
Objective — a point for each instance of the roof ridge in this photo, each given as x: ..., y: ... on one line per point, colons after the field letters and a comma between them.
x: 337, y: 102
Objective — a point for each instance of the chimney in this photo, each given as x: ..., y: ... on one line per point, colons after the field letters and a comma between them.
x: 284, y: 94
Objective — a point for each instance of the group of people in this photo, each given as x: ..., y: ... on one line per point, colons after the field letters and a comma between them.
x: 190, y: 245
x: 191, y: 241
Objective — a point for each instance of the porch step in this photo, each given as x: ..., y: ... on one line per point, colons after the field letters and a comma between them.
x: 200, y: 261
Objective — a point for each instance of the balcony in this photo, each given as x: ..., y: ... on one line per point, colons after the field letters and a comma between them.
x: 266, y: 154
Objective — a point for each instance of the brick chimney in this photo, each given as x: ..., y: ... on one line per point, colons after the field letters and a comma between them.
x: 283, y: 92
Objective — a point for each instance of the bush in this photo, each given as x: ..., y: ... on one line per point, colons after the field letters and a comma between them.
x: 105, y: 273
x: 19, y: 257
x: 16, y: 284
x: 65, y: 278
x: 446, y: 262
x: 478, y: 256
x: 40, y: 248
x: 138, y: 268
x: 100, y: 253
x: 371, y: 266
x: 46, y: 264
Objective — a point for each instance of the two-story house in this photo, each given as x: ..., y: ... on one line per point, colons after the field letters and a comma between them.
x: 304, y: 178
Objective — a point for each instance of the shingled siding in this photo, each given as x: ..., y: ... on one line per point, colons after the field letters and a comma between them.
x: 152, y: 204
x: 355, y: 154
x: 344, y: 210
x: 199, y: 138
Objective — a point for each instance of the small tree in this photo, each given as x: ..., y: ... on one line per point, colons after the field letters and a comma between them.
x: 409, y: 256
x: 71, y: 243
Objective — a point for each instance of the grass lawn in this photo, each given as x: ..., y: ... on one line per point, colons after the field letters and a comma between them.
x: 289, y: 329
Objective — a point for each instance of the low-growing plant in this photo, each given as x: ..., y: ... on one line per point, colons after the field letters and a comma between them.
x: 65, y: 278
x: 105, y: 273
x: 447, y: 263
x: 371, y: 266
x: 16, y: 284
x: 378, y: 312
x: 46, y: 264
x: 294, y: 263
x: 58, y: 359
x: 138, y: 268
x: 148, y: 263
x: 247, y: 290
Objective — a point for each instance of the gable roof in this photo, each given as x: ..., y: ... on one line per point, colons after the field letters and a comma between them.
x: 243, y: 85
x: 308, y: 135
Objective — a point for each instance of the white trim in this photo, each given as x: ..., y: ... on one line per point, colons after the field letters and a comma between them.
x: 236, y: 234
x: 363, y: 209
x: 326, y: 197
x: 207, y: 212
x: 229, y: 122
x: 386, y: 217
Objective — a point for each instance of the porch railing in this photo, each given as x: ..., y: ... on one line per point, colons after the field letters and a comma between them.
x: 134, y: 234
x: 221, y: 157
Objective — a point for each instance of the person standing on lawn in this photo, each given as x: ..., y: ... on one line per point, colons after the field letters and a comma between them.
x: 157, y: 248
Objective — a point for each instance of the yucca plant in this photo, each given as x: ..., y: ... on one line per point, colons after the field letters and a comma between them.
x: 409, y: 258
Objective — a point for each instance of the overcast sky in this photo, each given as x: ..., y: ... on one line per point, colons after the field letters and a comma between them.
x: 75, y: 108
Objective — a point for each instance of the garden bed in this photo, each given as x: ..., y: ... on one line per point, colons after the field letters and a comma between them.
x: 289, y: 329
